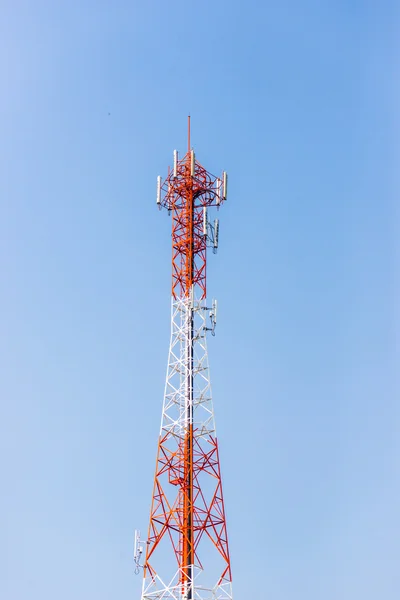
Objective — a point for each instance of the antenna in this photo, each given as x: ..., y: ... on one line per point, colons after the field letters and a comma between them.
x: 175, y: 163
x: 192, y: 163
x: 213, y: 317
x: 225, y: 185
x: 205, y: 221
x: 159, y: 189
x: 216, y: 234
x: 137, y: 551
x: 218, y: 191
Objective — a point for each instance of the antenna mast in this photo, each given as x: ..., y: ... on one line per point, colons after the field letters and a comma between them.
x: 187, y: 554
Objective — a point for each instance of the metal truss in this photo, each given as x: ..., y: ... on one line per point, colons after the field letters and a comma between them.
x: 171, y: 591
x: 189, y: 319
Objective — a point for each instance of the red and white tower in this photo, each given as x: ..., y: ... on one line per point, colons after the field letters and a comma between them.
x: 186, y: 554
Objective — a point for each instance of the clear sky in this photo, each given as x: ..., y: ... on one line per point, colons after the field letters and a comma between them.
x: 299, y: 102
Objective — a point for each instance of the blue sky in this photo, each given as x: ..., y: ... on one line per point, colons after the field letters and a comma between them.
x: 299, y: 102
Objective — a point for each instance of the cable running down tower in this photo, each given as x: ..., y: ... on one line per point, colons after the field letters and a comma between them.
x: 186, y: 554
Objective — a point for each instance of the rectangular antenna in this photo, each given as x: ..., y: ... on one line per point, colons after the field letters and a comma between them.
x: 218, y: 191
x: 205, y: 221
x: 159, y: 189
x: 216, y: 233
x: 175, y: 163
x: 192, y: 163
x: 225, y: 187
x: 137, y: 542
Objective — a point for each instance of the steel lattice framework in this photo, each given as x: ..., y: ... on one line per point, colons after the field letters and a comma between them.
x: 187, y: 555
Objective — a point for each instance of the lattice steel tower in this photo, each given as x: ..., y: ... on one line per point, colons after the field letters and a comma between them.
x: 186, y: 556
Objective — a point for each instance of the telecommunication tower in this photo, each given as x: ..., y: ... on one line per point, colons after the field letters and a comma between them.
x: 185, y: 555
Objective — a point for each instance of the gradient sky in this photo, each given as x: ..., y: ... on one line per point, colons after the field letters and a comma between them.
x: 299, y: 102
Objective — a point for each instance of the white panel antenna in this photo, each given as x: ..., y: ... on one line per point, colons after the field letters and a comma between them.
x: 205, y: 221
x: 218, y: 191
x: 159, y: 189
x: 216, y: 233
x: 225, y: 185
x: 192, y: 163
